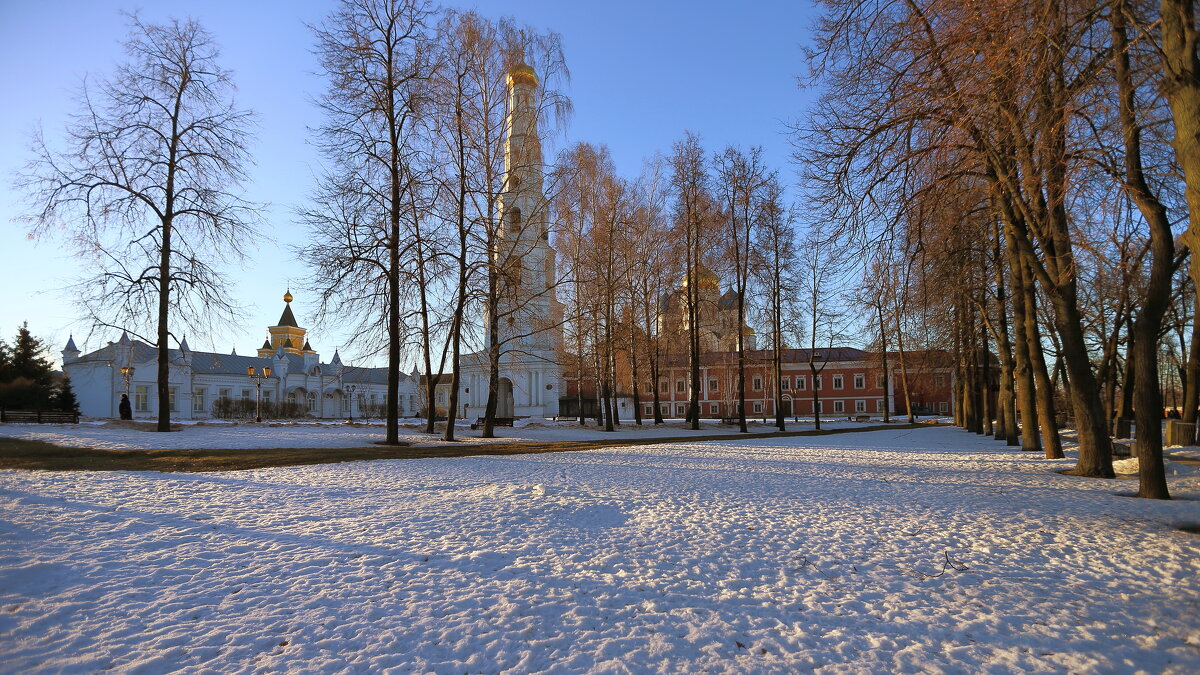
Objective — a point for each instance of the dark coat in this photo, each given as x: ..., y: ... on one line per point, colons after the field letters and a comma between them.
x: 125, y: 409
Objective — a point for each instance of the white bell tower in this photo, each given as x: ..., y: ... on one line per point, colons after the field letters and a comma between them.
x: 530, y: 330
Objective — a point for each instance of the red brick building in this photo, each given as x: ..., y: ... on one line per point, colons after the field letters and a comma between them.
x: 849, y: 382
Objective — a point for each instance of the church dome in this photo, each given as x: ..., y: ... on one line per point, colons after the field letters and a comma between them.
x: 705, y: 278
x: 523, y: 73
x: 287, y: 297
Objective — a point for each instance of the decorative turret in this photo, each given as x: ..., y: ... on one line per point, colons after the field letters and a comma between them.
x: 287, y: 334
x: 123, y: 355
x: 280, y: 364
x: 70, y: 353
x: 311, y: 358
x: 185, y: 352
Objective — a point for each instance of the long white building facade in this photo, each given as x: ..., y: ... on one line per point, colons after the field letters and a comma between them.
x: 203, y: 383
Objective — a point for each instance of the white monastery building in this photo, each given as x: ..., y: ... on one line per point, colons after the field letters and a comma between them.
x: 201, y: 383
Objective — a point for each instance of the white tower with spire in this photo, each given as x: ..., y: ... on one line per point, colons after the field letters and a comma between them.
x: 530, y: 378
x: 522, y: 253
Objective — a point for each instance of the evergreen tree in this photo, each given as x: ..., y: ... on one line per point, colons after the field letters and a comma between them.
x: 5, y: 361
x: 27, y: 375
x: 64, y: 398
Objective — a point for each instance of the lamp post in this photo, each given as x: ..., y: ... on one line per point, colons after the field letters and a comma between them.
x: 127, y: 373
x: 257, y: 377
x: 351, y: 389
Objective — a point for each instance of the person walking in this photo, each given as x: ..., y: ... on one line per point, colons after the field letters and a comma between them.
x: 125, y: 409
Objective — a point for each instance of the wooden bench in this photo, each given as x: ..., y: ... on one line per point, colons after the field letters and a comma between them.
x: 730, y: 420
x: 862, y: 418
x: 498, y: 422
x: 39, y: 417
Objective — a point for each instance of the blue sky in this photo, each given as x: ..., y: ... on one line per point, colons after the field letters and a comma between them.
x: 641, y: 74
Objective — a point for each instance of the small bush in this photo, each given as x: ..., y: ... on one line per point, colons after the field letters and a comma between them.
x: 244, y: 409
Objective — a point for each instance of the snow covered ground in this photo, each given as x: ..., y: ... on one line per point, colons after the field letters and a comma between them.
x: 118, y: 435
x: 926, y: 550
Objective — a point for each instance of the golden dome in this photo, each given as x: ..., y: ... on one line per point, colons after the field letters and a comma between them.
x: 287, y: 297
x: 705, y: 277
x: 524, y: 74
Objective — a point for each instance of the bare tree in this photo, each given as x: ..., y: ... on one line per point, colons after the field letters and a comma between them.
x: 1154, y: 305
x: 464, y: 40
x: 820, y: 258
x: 373, y: 53
x: 689, y: 182
x: 147, y: 185
x: 774, y: 256
x: 517, y: 102
x: 741, y: 179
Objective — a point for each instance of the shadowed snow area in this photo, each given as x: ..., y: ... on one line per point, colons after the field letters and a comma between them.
x: 900, y: 551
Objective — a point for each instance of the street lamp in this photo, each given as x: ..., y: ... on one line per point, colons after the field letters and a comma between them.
x: 257, y: 377
x: 351, y: 389
x: 127, y: 373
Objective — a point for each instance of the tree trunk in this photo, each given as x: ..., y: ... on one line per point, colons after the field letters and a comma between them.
x: 633, y: 372
x: 1147, y: 395
x: 456, y: 325
x: 1191, y: 394
x: 908, y: 407
x: 816, y: 395
x: 985, y: 388
x: 489, y: 411
x: 887, y: 375
x: 1181, y: 87
x: 741, y: 372
x: 164, y: 305
x: 1026, y: 395
x: 1044, y: 390
x: 1007, y: 396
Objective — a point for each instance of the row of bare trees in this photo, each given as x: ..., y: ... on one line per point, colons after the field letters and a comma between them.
x: 1026, y: 174
x: 409, y: 233
x: 628, y: 248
